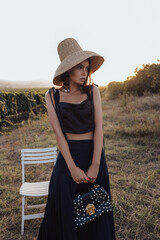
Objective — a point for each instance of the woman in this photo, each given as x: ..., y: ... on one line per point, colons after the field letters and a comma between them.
x: 75, y: 114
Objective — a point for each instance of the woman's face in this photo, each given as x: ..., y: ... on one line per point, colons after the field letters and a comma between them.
x: 79, y: 73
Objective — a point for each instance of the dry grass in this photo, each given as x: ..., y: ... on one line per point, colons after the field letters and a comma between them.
x: 132, y: 143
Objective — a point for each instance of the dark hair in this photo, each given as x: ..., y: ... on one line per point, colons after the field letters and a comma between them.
x: 86, y: 87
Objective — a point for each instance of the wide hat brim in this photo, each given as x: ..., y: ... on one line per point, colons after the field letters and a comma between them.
x: 74, y: 59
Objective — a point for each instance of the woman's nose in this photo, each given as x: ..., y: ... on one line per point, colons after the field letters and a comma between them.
x: 85, y: 71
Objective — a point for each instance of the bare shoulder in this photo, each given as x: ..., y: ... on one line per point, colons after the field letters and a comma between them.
x: 95, y: 86
x: 51, y: 90
x: 47, y: 94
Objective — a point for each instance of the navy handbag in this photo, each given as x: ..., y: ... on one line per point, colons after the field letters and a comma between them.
x: 91, y: 204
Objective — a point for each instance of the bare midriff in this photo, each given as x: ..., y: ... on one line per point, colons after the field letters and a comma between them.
x: 81, y: 136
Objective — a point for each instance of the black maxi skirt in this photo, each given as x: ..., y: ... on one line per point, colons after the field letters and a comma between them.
x: 58, y: 221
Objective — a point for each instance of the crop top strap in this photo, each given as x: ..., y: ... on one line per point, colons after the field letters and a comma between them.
x: 92, y: 93
x: 55, y: 95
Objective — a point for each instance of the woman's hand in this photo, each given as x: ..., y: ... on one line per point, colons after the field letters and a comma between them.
x: 78, y: 175
x: 92, y: 172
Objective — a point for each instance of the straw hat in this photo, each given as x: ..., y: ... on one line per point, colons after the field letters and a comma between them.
x: 71, y: 54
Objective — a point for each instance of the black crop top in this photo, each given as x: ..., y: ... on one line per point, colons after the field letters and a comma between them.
x: 75, y: 117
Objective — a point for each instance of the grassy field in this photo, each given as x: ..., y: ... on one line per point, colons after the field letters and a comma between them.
x: 132, y: 143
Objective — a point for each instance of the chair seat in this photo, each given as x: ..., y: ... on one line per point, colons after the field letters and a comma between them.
x: 34, y: 189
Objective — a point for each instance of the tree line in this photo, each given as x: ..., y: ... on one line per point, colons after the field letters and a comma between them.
x: 146, y: 80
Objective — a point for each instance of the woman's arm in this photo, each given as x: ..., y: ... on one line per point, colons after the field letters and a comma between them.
x: 61, y: 140
x: 98, y: 132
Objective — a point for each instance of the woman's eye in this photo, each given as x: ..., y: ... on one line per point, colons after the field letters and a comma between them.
x: 80, y: 67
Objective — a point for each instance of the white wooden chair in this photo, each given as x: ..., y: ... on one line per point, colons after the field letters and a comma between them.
x: 34, y: 189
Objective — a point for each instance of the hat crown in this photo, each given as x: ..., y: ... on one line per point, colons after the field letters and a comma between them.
x: 67, y: 47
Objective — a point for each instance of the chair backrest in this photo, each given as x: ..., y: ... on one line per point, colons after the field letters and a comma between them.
x: 37, y: 155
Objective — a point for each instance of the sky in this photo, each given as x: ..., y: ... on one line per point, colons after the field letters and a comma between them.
x: 125, y: 32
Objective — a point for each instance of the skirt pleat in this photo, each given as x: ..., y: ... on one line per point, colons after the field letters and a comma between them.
x: 58, y: 222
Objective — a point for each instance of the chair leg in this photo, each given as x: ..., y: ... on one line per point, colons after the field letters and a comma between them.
x: 22, y: 224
